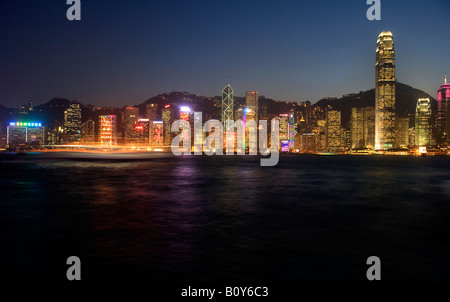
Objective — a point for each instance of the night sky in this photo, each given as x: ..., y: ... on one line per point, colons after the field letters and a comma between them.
x: 124, y: 52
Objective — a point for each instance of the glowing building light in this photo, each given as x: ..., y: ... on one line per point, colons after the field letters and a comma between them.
x: 285, y: 146
x: 22, y: 124
x: 185, y: 109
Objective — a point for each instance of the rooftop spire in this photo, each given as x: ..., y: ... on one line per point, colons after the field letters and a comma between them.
x: 445, y: 79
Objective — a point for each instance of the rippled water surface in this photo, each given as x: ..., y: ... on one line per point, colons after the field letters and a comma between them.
x: 199, y: 218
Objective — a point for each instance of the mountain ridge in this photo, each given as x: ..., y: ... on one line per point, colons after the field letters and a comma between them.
x: 405, y: 97
x: 406, y: 100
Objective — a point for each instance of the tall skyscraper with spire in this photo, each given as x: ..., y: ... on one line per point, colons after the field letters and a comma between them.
x: 443, y: 114
x: 227, y: 106
x: 385, y: 92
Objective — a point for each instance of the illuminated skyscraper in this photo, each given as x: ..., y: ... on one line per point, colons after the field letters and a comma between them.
x: 402, y: 132
x: 423, y: 123
x: 385, y: 92
x: 412, y: 136
x: 320, y: 135
x: 284, y: 127
x: 251, y: 100
x: 108, y: 130
x: 157, y: 133
x: 346, y: 139
x: 363, y: 128
x: 168, y: 118
x: 142, y: 129
x: 130, y: 119
x: 291, y: 130
x: 186, y: 114
x: 443, y: 112
x: 308, y: 142
x: 333, y: 131
x: 72, y: 122
x: 284, y: 132
x: 227, y: 106
x: 199, y: 136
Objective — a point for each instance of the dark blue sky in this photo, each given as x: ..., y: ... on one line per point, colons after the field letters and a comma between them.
x: 123, y: 52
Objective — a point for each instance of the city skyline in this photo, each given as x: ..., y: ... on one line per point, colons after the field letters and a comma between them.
x: 219, y: 148
x: 120, y: 72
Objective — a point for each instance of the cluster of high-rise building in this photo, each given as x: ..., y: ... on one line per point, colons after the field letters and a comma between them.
x: 104, y: 126
x: 314, y: 129
x: 303, y: 127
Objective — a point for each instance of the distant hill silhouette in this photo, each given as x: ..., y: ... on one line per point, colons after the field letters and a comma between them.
x: 51, y: 111
x: 406, y: 101
x: 195, y: 102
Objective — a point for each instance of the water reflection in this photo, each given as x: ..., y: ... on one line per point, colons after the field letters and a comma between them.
x: 221, y: 218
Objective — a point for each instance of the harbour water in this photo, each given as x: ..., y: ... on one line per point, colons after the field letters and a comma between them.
x: 224, y: 218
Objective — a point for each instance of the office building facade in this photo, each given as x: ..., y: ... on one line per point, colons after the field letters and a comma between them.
x: 363, y: 128
x: 423, y: 123
x: 443, y: 113
x: 72, y: 123
x: 385, y: 125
